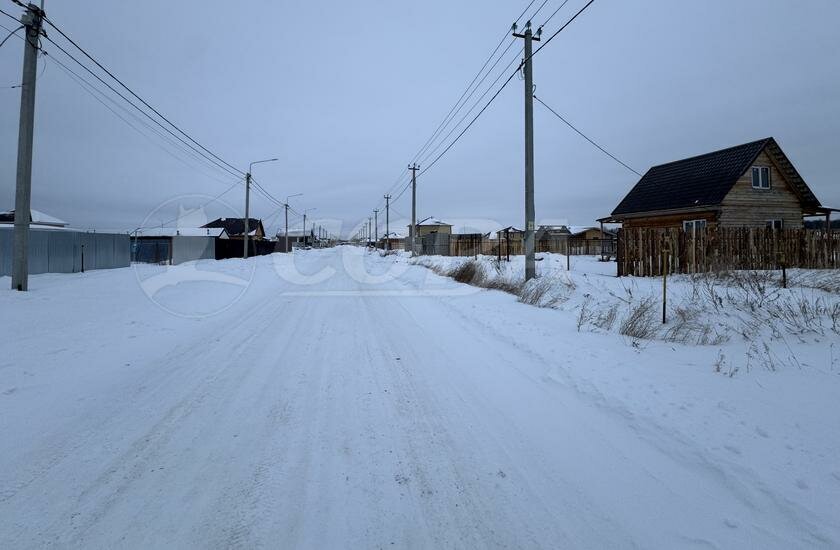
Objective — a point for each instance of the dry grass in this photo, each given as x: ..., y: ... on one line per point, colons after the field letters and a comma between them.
x: 470, y: 272
x: 640, y: 322
x: 546, y: 291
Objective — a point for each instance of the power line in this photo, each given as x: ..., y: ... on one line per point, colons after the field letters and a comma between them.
x: 464, y: 98
x: 477, y: 102
x: 495, y: 95
x: 143, y: 101
x: 11, y: 33
x: 561, y: 29
x: 448, y: 147
x: 92, y: 90
x: 587, y: 138
x: 10, y: 16
x: 143, y: 112
x: 464, y: 131
x: 550, y: 17
x: 211, y: 201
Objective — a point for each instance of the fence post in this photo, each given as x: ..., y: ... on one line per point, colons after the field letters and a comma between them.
x: 781, y: 259
x: 664, y: 283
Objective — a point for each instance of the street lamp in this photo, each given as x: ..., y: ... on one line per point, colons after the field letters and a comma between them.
x: 248, y: 201
x: 286, y: 205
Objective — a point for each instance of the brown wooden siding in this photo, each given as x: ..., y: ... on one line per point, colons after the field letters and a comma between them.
x: 670, y: 220
x: 748, y: 207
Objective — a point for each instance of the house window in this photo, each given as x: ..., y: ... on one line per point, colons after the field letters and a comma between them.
x: 693, y: 225
x: 761, y: 177
x: 775, y: 224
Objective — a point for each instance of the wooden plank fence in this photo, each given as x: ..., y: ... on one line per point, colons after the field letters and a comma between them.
x: 641, y: 251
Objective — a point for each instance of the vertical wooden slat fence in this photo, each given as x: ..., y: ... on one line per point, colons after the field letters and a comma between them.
x: 639, y: 251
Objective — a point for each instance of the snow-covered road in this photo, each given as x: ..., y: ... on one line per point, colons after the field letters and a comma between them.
x: 348, y: 410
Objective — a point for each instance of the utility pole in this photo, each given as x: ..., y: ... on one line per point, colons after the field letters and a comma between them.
x: 530, y: 266
x: 286, y: 207
x: 247, y: 206
x: 304, y: 224
x: 368, y: 231
x: 32, y: 20
x: 247, y: 202
x: 387, y: 221
x: 412, y: 237
x: 375, y: 229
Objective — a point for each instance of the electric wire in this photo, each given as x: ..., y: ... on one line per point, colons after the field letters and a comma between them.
x: 143, y: 101
x: 143, y: 112
x: 587, y: 138
x: 11, y: 33
x: 102, y: 97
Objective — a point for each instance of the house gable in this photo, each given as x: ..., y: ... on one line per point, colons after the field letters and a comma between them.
x: 746, y: 206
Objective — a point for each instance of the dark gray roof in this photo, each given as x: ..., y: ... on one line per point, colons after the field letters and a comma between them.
x: 235, y: 226
x: 705, y: 180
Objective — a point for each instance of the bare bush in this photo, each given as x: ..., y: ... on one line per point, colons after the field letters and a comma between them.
x: 605, y: 320
x: 640, y: 322
x: 834, y: 315
x: 585, y: 314
x: 799, y: 315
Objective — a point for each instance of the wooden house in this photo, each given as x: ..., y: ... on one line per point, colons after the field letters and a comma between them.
x: 432, y: 225
x: 749, y: 185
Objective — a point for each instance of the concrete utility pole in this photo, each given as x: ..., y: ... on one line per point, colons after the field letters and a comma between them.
x: 376, y: 229
x: 286, y: 205
x: 412, y: 237
x: 286, y: 232
x: 368, y: 231
x: 248, y: 201
x: 387, y: 222
x: 32, y: 20
x: 247, y: 213
x: 530, y: 266
x: 304, y: 223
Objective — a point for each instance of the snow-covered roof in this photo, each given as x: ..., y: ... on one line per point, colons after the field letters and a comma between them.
x: 36, y: 217
x: 433, y: 221
x: 578, y: 229
x: 182, y: 232
x: 393, y: 235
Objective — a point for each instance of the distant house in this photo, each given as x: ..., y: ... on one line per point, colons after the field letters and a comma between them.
x: 432, y: 225
x: 392, y: 241
x: 297, y: 238
x: 590, y: 232
x: 749, y: 185
x: 176, y: 245
x: 510, y: 234
x: 37, y: 220
x: 235, y: 227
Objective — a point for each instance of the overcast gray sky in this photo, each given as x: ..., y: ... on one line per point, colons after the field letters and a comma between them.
x: 345, y: 93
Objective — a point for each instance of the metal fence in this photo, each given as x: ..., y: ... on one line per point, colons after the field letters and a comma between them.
x: 53, y: 251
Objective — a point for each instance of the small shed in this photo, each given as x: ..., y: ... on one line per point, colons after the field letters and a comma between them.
x: 175, y: 245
